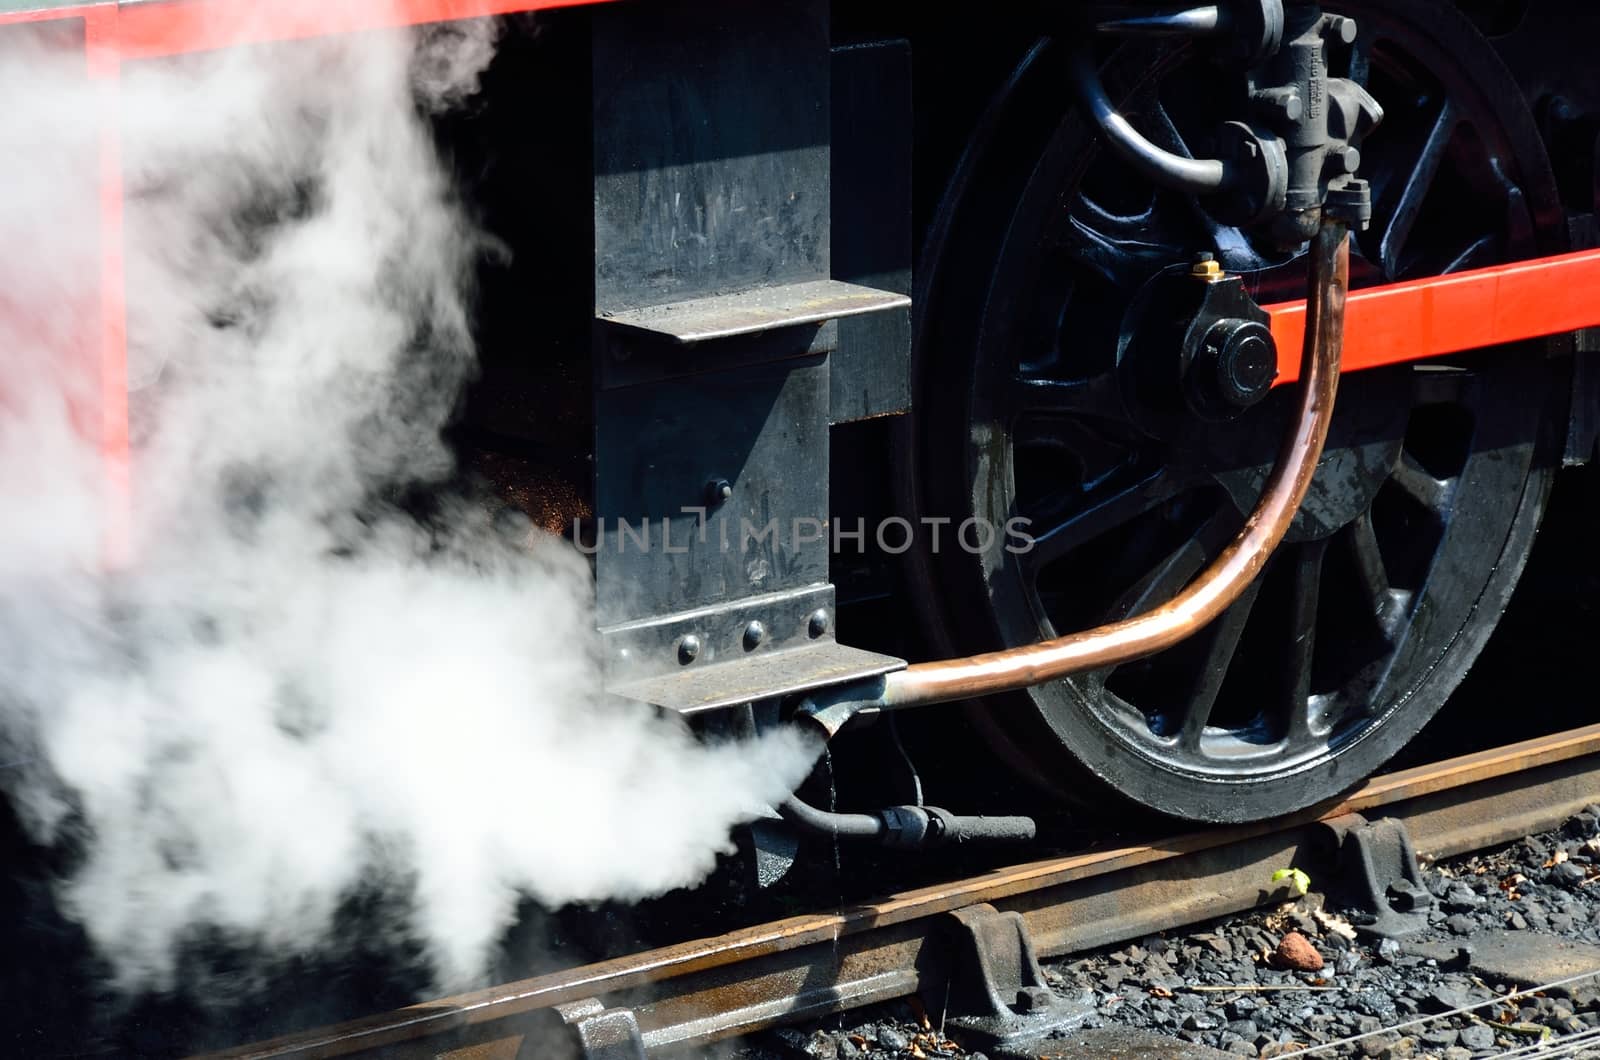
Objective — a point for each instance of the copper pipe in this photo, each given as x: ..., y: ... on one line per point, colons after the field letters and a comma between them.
x: 1219, y: 585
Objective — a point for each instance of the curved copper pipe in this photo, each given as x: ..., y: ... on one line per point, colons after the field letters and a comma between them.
x: 1220, y: 584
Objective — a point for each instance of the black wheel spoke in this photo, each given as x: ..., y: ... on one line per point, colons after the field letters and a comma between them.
x: 1099, y: 456
x: 1521, y: 241
x: 1222, y: 643
x: 1304, y: 596
x: 1418, y: 484
x: 1484, y: 250
x: 1164, y: 133
x: 1230, y: 245
x: 1417, y: 182
x: 1096, y: 397
x: 1387, y: 604
x: 1071, y: 523
x: 1125, y: 250
x: 1170, y: 574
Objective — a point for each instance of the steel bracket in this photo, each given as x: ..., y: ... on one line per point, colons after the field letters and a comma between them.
x: 603, y: 1033
x: 1379, y: 876
x: 996, y: 985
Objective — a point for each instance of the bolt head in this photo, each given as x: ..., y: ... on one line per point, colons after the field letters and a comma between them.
x: 754, y: 634
x: 1246, y: 365
x: 688, y: 649
x: 1234, y: 367
x: 818, y: 623
x: 1034, y: 999
x: 718, y: 490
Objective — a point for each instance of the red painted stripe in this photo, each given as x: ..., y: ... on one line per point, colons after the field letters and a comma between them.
x: 173, y: 27
x: 104, y: 69
x: 56, y: 14
x: 1429, y: 318
x: 149, y: 30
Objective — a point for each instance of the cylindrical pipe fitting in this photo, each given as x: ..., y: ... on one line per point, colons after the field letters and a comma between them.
x: 1194, y: 22
x: 808, y: 818
x: 908, y: 827
x: 1220, y: 584
x: 1197, y: 176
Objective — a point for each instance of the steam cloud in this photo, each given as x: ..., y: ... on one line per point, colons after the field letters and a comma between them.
x: 292, y: 690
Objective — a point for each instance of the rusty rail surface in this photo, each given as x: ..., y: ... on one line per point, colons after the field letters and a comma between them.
x: 805, y: 966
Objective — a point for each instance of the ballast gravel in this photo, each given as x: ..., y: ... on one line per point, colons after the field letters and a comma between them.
x: 1502, y: 922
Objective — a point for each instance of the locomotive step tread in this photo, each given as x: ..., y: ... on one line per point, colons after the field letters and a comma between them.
x: 752, y: 312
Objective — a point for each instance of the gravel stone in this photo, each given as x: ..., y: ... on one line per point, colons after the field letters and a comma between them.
x: 1439, y: 1037
x: 1482, y: 940
x: 1444, y: 999
x: 892, y: 1039
x: 1568, y: 874
x: 1584, y: 823
x: 1241, y: 1007
x: 1375, y: 1047
x: 1296, y: 952
x: 1462, y: 899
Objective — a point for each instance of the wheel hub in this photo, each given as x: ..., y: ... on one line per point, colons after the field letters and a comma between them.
x: 1234, y: 366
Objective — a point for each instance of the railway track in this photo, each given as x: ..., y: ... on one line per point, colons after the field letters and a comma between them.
x: 688, y: 995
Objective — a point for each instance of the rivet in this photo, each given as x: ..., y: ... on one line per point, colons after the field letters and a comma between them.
x: 688, y: 649
x: 817, y: 624
x: 718, y: 490
x: 754, y: 634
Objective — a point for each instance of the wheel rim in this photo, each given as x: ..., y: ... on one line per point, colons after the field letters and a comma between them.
x: 1422, y: 510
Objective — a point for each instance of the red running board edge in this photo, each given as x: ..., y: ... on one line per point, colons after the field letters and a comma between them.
x: 1447, y: 314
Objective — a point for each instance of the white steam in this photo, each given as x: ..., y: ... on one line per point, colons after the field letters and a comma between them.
x: 291, y: 691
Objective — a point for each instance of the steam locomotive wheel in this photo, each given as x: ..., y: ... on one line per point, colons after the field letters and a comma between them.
x: 1424, y: 506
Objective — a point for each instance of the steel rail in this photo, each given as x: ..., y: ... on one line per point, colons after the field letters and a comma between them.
x: 698, y: 992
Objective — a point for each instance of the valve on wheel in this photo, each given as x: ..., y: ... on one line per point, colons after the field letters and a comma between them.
x: 1294, y: 157
x: 1334, y: 115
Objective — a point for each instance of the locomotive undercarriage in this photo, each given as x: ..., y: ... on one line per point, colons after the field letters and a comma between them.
x: 844, y: 340
x: 768, y: 450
